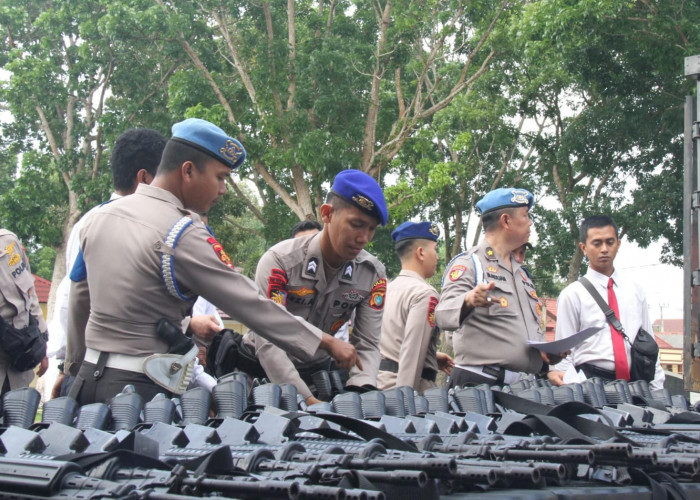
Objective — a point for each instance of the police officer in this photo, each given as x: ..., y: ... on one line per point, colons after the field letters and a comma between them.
x: 323, y: 278
x: 489, y: 300
x: 409, y: 335
x: 19, y: 307
x: 147, y: 257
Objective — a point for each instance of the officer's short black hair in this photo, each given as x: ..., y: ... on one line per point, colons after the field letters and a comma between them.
x: 305, y: 225
x: 176, y: 153
x: 489, y: 220
x: 599, y: 220
x: 405, y: 247
x: 135, y: 149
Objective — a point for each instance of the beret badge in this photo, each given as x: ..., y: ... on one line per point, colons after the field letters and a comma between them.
x: 231, y: 151
x: 363, y: 201
x: 434, y: 229
x: 519, y: 196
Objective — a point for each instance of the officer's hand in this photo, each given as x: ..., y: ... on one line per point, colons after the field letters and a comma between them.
x: 312, y: 401
x: 43, y: 366
x: 480, y: 296
x: 556, y: 378
x: 445, y: 362
x: 56, y: 389
x: 204, y: 327
x: 344, y: 354
x: 553, y: 359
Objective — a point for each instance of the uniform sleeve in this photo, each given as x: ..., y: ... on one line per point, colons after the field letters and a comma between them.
x: 459, y: 280
x: 568, y: 323
x: 417, y: 335
x: 271, y: 280
x: 366, y: 333
x: 78, y: 314
x: 201, y: 268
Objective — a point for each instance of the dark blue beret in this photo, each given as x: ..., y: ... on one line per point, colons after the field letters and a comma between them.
x: 209, y: 139
x: 416, y: 230
x: 361, y: 190
x: 505, y: 198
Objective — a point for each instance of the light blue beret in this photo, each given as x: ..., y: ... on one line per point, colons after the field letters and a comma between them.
x: 505, y: 198
x: 416, y: 230
x: 210, y: 139
x: 361, y: 190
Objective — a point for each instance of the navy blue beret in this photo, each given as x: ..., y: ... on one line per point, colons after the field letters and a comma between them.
x: 361, y: 190
x: 416, y: 230
x: 505, y: 198
x: 209, y: 139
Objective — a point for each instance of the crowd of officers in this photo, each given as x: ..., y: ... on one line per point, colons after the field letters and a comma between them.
x: 144, y: 259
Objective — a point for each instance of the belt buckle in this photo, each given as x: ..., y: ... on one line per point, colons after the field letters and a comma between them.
x: 496, y: 372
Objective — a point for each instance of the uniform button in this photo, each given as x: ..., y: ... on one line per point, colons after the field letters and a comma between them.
x: 158, y: 245
x: 96, y: 374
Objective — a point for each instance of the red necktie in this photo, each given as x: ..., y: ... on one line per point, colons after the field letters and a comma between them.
x: 622, y: 369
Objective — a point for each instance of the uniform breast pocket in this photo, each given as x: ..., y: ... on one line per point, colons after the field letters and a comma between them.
x: 504, y: 300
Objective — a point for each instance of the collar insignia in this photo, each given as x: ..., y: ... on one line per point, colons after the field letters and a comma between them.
x: 490, y: 254
x: 348, y: 272
x: 312, y: 266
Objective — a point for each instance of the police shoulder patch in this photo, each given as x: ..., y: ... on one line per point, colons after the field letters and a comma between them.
x: 456, y: 272
x: 431, y: 311
x: 377, y: 294
x: 277, y: 286
x: 220, y: 252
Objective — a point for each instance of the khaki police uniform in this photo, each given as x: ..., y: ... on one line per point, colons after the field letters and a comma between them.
x: 18, y: 301
x: 495, y: 336
x: 127, y: 247
x: 409, y: 334
x: 292, y: 274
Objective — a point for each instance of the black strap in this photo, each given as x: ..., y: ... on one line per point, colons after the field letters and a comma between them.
x: 609, y: 313
x: 389, y: 365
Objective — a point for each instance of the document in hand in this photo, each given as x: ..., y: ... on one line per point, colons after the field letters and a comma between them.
x: 563, y: 345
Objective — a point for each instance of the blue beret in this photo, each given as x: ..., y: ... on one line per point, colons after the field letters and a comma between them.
x: 505, y: 198
x: 361, y: 190
x: 209, y: 139
x: 416, y: 230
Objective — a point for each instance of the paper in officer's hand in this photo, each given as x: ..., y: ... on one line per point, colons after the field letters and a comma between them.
x: 566, y: 344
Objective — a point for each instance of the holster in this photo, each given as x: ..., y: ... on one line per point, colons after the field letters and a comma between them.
x: 171, y: 371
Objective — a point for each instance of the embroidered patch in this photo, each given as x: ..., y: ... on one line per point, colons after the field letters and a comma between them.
x: 533, y: 294
x: 353, y: 296
x: 538, y: 309
x: 220, y: 252
x: 336, y: 325
x: 10, y: 248
x: 279, y: 297
x: 431, y: 311
x: 503, y: 301
x: 301, y: 292
x: 14, y: 259
x: 456, y: 272
x: 312, y: 266
x: 492, y: 269
x: 525, y: 278
x: 376, y: 300
x: 276, y: 286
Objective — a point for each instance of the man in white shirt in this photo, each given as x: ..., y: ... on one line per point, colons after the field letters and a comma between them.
x: 577, y: 309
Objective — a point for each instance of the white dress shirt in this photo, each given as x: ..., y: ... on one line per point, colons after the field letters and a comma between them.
x: 577, y: 309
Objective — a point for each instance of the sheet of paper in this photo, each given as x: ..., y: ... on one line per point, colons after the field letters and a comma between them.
x: 572, y: 377
x: 563, y: 345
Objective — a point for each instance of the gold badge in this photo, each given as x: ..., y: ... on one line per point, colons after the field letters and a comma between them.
x: 503, y: 301
x: 10, y: 248
x: 14, y: 259
x: 363, y: 201
x: 538, y: 309
x: 492, y: 269
x: 231, y: 151
x: 434, y: 229
x: 519, y: 197
x: 301, y: 292
x: 533, y: 293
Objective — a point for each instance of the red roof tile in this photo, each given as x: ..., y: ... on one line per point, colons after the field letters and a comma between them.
x: 42, y: 287
x: 670, y: 325
x: 662, y: 343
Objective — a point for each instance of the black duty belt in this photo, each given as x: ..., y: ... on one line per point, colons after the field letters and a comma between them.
x: 388, y: 365
x: 591, y: 370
